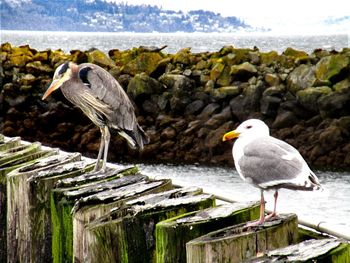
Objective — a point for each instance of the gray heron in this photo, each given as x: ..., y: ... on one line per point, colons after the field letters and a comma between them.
x: 268, y: 163
x: 101, y: 98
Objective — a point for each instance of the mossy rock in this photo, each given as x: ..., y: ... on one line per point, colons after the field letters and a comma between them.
x: 226, y: 50
x: 226, y: 92
x: 3, y: 56
x: 6, y: 47
x: 238, y: 56
x: 272, y: 79
x: 38, y: 68
x: 277, y: 91
x: 295, y: 53
x: 126, y: 56
x: 115, y: 54
x: 243, y: 71
x: 269, y: 58
x: 42, y: 55
x: 301, y: 77
x: 202, y: 64
x: 19, y: 56
x: 78, y: 56
x: 330, y: 67
x: 27, y: 79
x: 142, y: 84
x: 57, y: 57
x: 177, y: 82
x: 183, y: 56
x: 19, y: 60
x: 225, y: 78
x: 334, y: 105
x: 344, y: 123
x: 23, y: 50
x: 309, y: 96
x: 287, y: 62
x: 216, y: 71
x: 145, y: 62
x: 100, y: 58
x: 343, y: 85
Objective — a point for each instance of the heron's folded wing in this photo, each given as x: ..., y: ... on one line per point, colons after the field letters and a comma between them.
x: 106, y: 88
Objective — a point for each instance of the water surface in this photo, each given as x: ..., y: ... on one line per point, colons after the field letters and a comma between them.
x: 199, y: 42
x: 331, y: 205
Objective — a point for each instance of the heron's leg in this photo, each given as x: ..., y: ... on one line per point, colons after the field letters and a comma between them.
x: 102, y: 145
x: 107, y: 137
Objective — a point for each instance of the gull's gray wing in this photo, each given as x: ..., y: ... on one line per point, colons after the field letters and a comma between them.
x: 269, y: 162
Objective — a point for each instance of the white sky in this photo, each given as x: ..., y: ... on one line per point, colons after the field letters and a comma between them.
x: 297, y: 15
x: 254, y: 7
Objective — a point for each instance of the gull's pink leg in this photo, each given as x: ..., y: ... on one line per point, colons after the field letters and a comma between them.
x: 262, y: 212
x: 273, y: 214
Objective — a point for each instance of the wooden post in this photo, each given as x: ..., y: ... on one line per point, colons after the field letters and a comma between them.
x: 28, y: 217
x: 11, y: 155
x: 14, y: 154
x: 64, y: 199
x: 5, y: 145
x: 74, y: 207
x: 313, y: 250
x: 132, y: 237
x: 173, y: 234
x: 9, y: 143
x: 108, y: 201
x: 239, y: 243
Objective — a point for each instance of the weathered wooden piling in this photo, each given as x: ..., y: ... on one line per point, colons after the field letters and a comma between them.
x: 77, y: 206
x: 67, y: 196
x: 132, y: 237
x: 28, y: 210
x: 173, y: 234
x: 239, y: 243
x: 321, y: 250
x: 88, y: 213
x: 14, y: 154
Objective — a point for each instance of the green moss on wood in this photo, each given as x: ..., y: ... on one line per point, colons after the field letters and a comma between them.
x: 173, y: 234
x: 62, y: 230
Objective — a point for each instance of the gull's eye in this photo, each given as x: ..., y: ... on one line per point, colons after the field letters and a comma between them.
x: 249, y: 126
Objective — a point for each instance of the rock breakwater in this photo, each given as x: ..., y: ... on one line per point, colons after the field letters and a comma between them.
x: 187, y: 101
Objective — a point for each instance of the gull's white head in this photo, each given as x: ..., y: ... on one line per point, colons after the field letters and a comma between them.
x: 252, y: 128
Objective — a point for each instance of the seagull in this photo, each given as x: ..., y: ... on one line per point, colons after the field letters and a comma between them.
x: 268, y: 163
x: 101, y: 98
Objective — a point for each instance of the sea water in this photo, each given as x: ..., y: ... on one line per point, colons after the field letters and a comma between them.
x: 198, y: 42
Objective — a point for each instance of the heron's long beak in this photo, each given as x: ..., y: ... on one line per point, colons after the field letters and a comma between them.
x: 230, y: 135
x: 54, y: 85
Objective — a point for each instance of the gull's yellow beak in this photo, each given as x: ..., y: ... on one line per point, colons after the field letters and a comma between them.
x: 230, y: 135
x: 55, y: 84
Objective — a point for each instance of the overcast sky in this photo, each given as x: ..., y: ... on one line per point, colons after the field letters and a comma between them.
x: 297, y: 15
